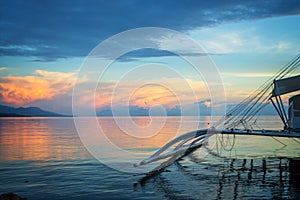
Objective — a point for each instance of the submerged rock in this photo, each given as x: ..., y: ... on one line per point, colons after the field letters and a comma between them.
x: 11, y: 196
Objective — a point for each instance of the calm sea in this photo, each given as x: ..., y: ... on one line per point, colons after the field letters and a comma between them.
x: 44, y: 158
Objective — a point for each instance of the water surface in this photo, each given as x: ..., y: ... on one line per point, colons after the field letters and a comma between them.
x: 43, y: 158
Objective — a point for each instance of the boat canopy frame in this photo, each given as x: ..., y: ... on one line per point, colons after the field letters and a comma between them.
x: 281, y: 87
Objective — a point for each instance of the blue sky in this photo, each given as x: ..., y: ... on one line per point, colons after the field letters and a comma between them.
x: 45, y: 43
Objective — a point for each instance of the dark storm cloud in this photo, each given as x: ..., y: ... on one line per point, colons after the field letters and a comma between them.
x: 56, y: 29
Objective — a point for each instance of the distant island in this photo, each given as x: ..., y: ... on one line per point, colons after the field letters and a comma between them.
x: 7, y: 111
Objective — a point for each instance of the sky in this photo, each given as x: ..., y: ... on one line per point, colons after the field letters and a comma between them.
x: 44, y: 45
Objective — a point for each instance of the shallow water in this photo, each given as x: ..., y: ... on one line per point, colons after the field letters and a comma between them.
x: 44, y: 158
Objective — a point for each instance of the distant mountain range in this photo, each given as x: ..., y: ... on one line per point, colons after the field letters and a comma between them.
x: 7, y: 111
x: 138, y: 111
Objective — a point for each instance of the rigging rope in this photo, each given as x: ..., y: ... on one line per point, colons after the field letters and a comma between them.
x: 243, y: 114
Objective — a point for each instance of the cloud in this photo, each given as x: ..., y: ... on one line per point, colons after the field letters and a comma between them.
x: 59, y: 29
x: 248, y: 74
x: 3, y: 68
x: 44, y: 85
x: 53, y: 91
x: 227, y: 39
x: 205, y: 102
x: 166, y: 92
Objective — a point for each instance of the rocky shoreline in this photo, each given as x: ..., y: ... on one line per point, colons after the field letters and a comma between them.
x: 11, y: 196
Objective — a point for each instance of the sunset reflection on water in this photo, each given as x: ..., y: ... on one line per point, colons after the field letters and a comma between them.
x: 38, y: 139
x: 46, y: 156
x: 57, y: 138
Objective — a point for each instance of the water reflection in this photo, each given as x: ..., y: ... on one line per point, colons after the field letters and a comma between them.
x: 38, y: 139
x: 42, y: 138
x: 137, y: 138
x: 231, y: 179
x: 57, y: 138
x: 49, y: 154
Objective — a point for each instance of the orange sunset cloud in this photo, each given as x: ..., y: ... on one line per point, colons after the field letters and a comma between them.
x: 168, y: 92
x: 44, y: 85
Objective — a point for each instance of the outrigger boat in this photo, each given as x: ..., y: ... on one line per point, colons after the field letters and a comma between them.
x: 241, y: 119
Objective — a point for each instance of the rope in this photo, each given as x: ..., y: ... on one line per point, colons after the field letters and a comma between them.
x: 244, y: 113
